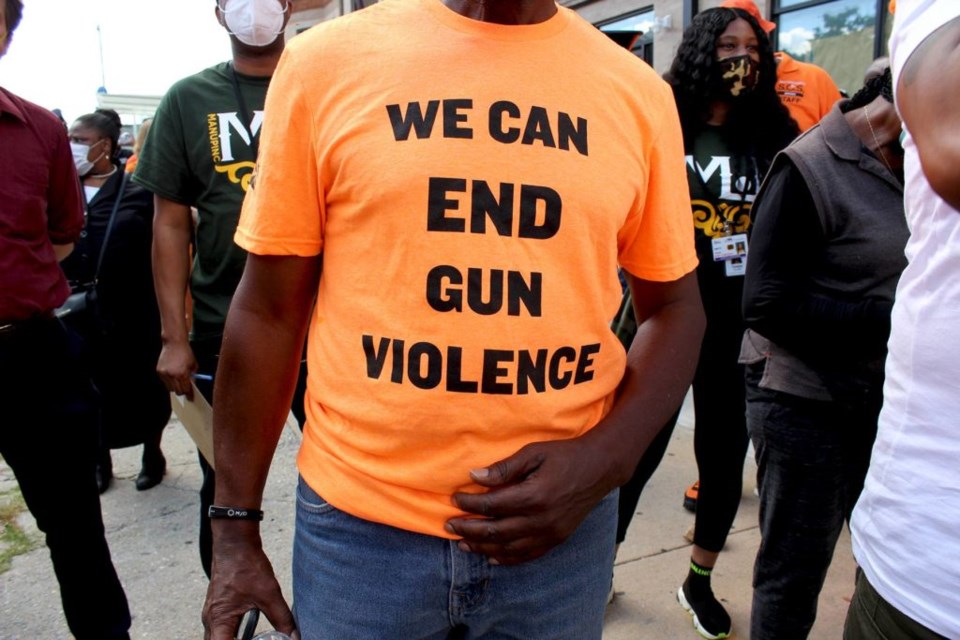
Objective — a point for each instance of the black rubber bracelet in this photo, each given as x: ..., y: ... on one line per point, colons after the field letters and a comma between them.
x: 232, y: 513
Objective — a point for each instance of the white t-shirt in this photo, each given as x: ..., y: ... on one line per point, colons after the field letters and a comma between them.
x: 906, y: 526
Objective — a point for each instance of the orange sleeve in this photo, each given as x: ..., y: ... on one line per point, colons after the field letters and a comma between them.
x: 657, y: 240
x: 283, y: 212
x: 828, y: 93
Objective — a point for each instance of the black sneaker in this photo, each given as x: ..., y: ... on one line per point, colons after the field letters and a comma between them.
x: 710, y: 619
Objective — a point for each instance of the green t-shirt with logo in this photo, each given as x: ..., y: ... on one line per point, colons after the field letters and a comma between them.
x: 722, y: 190
x: 201, y: 152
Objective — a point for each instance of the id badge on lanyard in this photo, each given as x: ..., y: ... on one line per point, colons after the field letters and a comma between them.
x: 731, y: 249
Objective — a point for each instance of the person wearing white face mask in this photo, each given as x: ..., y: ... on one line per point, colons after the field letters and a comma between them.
x: 93, y: 158
x: 200, y: 153
x: 124, y: 343
x: 255, y: 23
x: 81, y: 157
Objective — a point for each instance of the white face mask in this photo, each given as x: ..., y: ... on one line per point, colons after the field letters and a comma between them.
x: 80, y: 161
x: 255, y: 23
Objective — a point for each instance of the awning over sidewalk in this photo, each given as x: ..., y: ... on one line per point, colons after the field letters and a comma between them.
x: 138, y: 106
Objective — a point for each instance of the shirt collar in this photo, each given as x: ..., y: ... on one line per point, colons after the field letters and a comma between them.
x: 784, y: 62
x: 8, y: 105
x: 839, y: 136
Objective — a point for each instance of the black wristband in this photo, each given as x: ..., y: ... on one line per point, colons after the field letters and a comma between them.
x: 232, y: 513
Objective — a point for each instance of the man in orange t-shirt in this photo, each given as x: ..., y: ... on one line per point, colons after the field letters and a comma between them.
x: 456, y: 199
x: 805, y: 89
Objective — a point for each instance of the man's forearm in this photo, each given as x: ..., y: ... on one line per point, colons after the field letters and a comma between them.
x: 257, y: 372
x: 256, y: 376
x: 62, y: 251
x: 171, y: 273
x: 660, y: 366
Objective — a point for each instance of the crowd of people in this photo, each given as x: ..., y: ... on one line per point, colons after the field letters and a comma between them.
x: 474, y: 425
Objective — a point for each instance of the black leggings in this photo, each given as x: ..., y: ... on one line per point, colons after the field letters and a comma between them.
x: 719, y: 444
x: 630, y: 492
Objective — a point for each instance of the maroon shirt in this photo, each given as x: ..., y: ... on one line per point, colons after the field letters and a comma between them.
x: 40, y: 205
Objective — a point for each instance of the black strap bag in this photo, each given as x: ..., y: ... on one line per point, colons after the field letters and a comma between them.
x: 81, y: 309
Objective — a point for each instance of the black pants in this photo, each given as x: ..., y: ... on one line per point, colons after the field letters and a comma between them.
x: 719, y: 437
x: 207, y: 353
x: 49, y: 440
x: 812, y: 457
x: 719, y: 444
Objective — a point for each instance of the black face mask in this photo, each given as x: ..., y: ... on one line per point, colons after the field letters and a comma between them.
x: 740, y: 74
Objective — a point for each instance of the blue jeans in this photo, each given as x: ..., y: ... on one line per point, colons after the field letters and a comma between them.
x: 812, y: 458
x: 354, y: 579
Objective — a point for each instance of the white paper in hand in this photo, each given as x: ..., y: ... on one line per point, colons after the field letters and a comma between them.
x: 196, y: 416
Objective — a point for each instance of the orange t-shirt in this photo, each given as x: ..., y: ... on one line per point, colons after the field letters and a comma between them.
x: 805, y: 89
x: 472, y: 188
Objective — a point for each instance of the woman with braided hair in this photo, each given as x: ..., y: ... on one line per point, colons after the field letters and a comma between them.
x: 826, y: 254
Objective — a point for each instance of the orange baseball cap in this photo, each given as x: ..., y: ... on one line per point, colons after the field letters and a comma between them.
x: 751, y: 8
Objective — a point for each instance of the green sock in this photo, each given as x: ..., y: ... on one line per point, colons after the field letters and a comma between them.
x: 710, y: 613
x: 698, y: 581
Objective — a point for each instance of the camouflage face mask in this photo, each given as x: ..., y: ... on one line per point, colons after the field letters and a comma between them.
x: 740, y: 74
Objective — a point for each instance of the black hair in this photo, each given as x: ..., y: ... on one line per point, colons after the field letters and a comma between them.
x: 881, y: 85
x: 12, y: 15
x: 757, y: 124
x: 107, y: 123
x: 57, y: 112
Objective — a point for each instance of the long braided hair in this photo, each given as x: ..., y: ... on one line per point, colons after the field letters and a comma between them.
x: 881, y: 85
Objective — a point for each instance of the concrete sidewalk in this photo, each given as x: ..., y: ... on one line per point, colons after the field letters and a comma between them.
x: 654, y: 558
x: 152, y: 536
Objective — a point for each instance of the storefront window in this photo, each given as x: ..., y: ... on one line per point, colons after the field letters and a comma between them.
x: 839, y: 36
x: 887, y: 29
x: 634, y: 32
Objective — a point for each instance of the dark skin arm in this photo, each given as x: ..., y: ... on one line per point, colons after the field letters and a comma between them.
x: 62, y: 251
x: 927, y: 94
x: 537, y: 497
x: 256, y: 376
x: 172, y: 228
